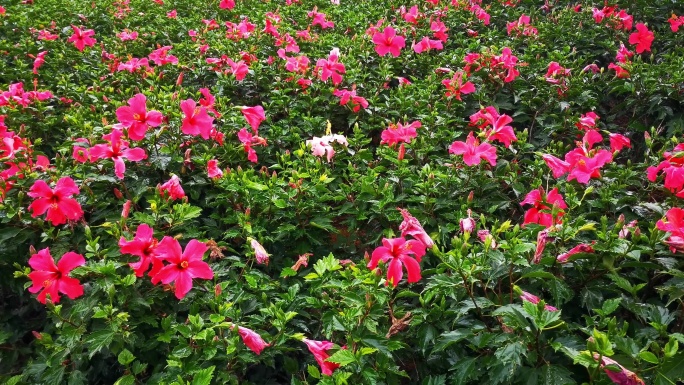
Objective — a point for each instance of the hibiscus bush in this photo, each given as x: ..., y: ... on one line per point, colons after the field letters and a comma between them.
x: 334, y: 192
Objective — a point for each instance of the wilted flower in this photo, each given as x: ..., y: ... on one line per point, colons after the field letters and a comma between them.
x: 411, y: 226
x: 621, y: 377
x: 259, y: 251
x: 172, y: 188
x: 467, y: 224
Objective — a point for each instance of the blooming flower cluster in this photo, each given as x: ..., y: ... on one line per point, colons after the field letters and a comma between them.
x: 169, y: 262
x: 673, y: 169
x: 494, y: 126
x: 585, y: 162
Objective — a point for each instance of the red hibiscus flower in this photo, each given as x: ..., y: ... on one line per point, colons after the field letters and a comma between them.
x: 642, y: 38
x: 136, y: 118
x: 143, y: 245
x: 58, y: 203
x: 397, y: 252
x: 542, y: 207
x: 387, y: 41
x: 455, y: 86
x: 183, y: 265
x: 54, y: 279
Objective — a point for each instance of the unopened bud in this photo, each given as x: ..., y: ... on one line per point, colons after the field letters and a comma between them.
x: 117, y: 193
x: 217, y: 290
x: 402, y: 151
x: 126, y: 209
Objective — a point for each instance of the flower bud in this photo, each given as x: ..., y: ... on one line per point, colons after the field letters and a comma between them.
x: 467, y: 224
x: 126, y: 209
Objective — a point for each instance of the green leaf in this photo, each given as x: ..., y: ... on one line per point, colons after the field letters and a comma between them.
x: 343, y: 357
x: 452, y: 337
x: 203, y: 376
x: 610, y: 305
x: 603, y: 344
x: 125, y: 380
x: 126, y: 357
x: 671, y: 347
x: 549, y: 375
x: 99, y: 340
x: 648, y: 357
x: 435, y: 380
x: 313, y: 371
x: 671, y: 371
x: 463, y: 371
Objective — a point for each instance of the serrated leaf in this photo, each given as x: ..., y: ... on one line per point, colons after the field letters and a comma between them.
x: 463, y: 371
x: 203, y: 376
x: 125, y: 357
x: 125, y: 380
x: 342, y: 357
x: 99, y: 340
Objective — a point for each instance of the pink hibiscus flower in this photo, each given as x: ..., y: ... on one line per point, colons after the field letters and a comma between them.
x: 184, y: 265
x: 320, y: 351
x: 473, y: 152
x: 117, y: 150
x: 397, y: 251
x: 196, y: 121
x: 58, y: 203
x: 53, y: 278
x: 136, y: 118
x: 542, y: 207
x: 172, y: 188
x: 143, y: 245
x: 254, y: 116
x: 252, y: 339
x: 387, y: 41
x: 82, y: 38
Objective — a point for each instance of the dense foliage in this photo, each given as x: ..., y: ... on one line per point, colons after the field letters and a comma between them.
x: 372, y: 192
